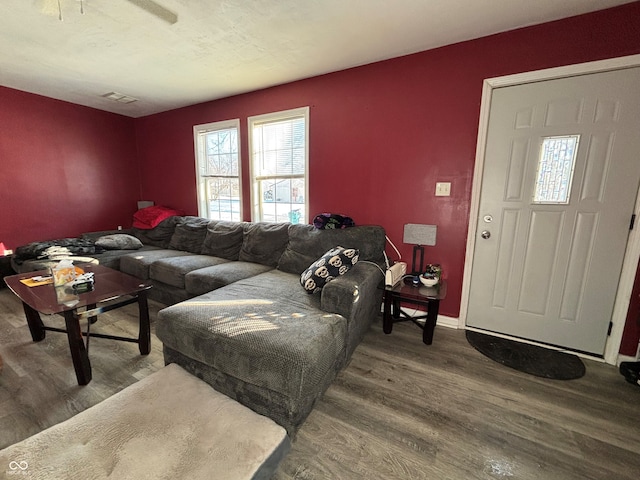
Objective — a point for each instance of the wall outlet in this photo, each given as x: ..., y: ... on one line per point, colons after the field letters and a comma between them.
x: 119, y: 227
x: 443, y: 189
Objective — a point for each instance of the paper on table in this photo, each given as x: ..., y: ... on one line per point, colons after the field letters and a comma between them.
x: 30, y: 282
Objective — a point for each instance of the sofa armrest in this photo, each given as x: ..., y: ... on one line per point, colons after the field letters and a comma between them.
x: 348, y: 294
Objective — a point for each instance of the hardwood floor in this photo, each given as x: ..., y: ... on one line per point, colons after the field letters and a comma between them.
x: 400, y: 410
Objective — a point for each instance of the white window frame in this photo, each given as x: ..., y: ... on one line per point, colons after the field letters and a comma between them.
x: 199, y: 149
x: 256, y: 200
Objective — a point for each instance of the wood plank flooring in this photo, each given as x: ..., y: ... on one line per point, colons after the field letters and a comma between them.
x: 400, y: 410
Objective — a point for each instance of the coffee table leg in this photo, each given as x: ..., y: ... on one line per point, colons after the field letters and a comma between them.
x: 144, y: 334
x: 79, y: 353
x: 93, y: 319
x: 430, y: 324
x: 36, y: 327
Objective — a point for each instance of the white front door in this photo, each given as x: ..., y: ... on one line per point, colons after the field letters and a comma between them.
x: 561, y: 174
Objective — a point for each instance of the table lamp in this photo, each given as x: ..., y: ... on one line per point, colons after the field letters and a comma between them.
x: 419, y: 235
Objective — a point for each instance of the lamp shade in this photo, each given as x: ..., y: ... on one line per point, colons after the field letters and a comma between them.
x: 419, y: 234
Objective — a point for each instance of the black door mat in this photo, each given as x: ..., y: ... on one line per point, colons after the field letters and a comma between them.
x: 526, y: 358
x: 631, y: 372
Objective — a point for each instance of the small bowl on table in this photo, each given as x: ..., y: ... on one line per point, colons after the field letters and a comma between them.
x: 428, y: 281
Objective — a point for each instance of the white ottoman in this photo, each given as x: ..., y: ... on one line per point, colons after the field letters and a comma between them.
x: 170, y: 425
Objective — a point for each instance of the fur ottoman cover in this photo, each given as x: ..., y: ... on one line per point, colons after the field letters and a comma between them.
x: 170, y: 425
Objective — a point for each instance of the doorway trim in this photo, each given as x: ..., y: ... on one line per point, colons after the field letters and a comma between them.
x: 632, y: 254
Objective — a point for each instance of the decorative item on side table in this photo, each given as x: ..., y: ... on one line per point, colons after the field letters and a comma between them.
x: 431, y: 275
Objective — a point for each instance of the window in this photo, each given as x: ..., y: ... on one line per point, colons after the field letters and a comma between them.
x: 279, y: 162
x: 555, y: 169
x: 218, y: 170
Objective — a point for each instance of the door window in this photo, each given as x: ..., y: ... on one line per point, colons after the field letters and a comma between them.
x: 555, y: 169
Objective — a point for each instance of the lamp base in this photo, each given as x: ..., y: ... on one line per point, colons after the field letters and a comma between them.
x: 416, y: 269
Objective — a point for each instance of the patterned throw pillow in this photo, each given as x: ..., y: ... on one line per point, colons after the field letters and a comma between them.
x: 332, y: 221
x: 332, y: 264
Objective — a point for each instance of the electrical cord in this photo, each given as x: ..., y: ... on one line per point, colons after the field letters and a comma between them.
x: 373, y: 263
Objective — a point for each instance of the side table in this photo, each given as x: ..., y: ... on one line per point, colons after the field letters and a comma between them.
x: 5, y: 268
x: 421, y: 296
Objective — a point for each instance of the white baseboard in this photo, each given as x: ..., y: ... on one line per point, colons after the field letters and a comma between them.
x: 443, y: 320
x: 626, y: 358
x: 449, y: 322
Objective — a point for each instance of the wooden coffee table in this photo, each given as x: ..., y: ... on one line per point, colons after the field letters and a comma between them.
x: 112, y: 289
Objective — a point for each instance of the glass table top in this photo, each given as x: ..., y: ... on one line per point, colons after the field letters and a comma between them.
x: 108, y: 285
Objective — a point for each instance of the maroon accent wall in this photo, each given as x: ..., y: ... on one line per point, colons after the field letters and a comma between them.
x: 64, y: 169
x: 631, y: 334
x: 381, y: 135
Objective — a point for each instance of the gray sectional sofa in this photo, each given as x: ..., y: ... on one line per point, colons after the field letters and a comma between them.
x: 239, y: 317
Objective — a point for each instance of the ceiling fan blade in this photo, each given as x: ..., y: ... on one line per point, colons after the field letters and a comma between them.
x: 157, y: 10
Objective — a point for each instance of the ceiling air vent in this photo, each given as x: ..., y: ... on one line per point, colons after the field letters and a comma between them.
x: 119, y: 97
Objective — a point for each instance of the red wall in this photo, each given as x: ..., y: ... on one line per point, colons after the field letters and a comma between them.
x: 631, y: 334
x: 383, y: 134
x: 64, y: 169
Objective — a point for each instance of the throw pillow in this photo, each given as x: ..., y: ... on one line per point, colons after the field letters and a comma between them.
x: 119, y: 241
x: 189, y: 236
x: 223, y: 239
x: 330, y: 221
x: 149, y: 217
x: 332, y: 264
x: 161, y: 234
x: 264, y: 242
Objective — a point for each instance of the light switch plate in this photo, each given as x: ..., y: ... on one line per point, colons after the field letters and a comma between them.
x: 443, y: 189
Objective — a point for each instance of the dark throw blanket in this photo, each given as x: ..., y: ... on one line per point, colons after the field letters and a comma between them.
x: 75, y: 246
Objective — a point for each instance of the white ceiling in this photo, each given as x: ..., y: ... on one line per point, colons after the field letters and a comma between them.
x: 219, y: 48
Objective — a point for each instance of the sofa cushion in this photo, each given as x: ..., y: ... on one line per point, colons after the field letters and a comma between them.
x: 160, y: 236
x: 119, y: 241
x: 261, y: 330
x: 307, y: 244
x: 172, y: 270
x: 264, y: 242
x: 138, y: 263
x: 189, y: 235
x: 111, y: 258
x: 332, y: 264
x: 224, y: 239
x: 206, y: 279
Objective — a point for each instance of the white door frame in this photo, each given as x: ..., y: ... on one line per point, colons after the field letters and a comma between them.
x: 632, y: 254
